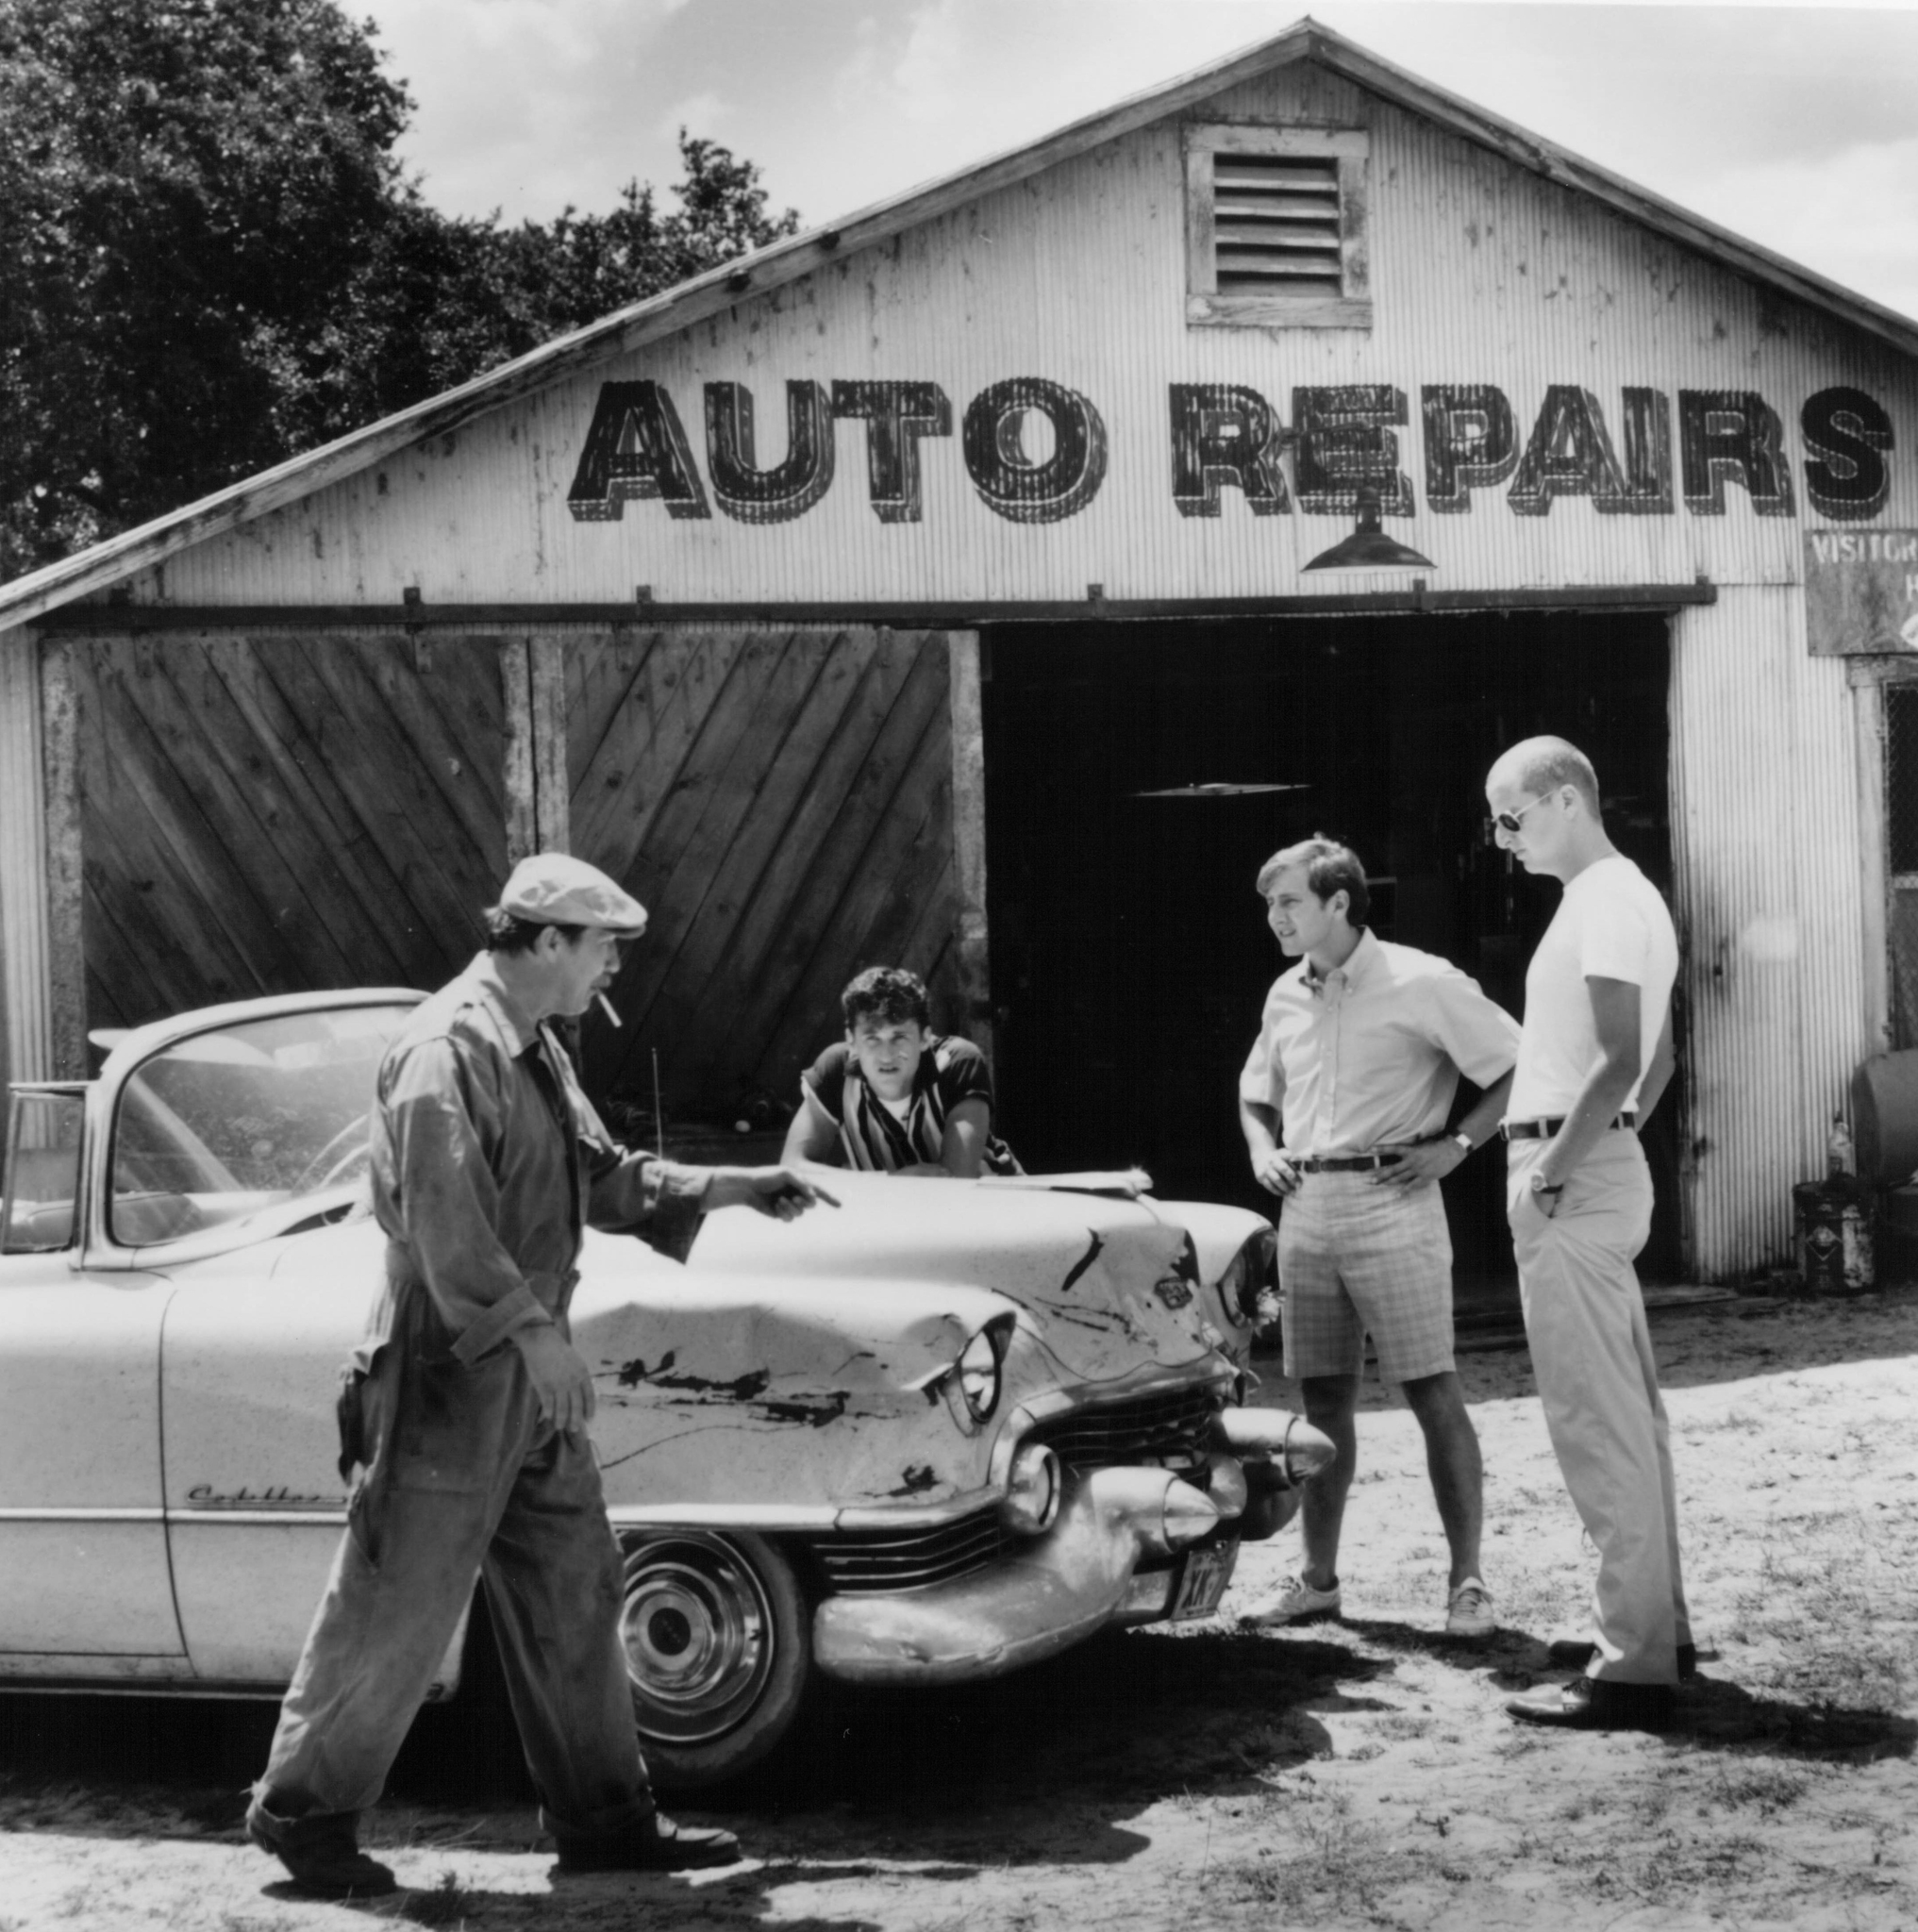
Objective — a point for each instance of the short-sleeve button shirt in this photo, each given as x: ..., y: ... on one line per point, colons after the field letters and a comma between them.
x: 1370, y: 1055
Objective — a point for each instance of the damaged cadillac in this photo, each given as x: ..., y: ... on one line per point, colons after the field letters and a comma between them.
x: 950, y: 1429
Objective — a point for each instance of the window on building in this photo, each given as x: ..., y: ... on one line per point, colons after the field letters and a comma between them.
x: 1901, y: 855
x: 1275, y: 227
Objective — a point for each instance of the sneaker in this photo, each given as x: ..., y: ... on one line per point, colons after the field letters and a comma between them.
x: 321, y: 1851
x: 1468, y: 1610
x: 654, y: 1845
x: 1296, y: 1602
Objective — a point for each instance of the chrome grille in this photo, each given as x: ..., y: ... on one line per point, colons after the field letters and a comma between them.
x: 903, y: 1559
x: 1172, y: 1430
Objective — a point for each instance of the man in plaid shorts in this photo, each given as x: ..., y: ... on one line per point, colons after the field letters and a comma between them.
x: 1343, y: 1101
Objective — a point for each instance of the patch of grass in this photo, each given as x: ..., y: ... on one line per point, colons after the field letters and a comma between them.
x: 1766, y: 1788
x: 1736, y: 1419
x: 1341, y: 1869
x: 448, y: 1904
x: 1396, y: 1725
x: 1837, y: 1601
x: 1672, y: 1866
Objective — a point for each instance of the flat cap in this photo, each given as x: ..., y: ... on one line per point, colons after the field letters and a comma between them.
x: 555, y: 890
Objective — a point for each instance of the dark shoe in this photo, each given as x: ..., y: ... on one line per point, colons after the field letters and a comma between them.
x: 654, y: 1844
x: 1574, y: 1653
x: 321, y: 1852
x: 1597, y: 1704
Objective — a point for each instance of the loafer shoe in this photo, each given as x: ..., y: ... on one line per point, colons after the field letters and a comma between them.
x: 1293, y: 1602
x: 321, y: 1851
x: 654, y: 1845
x: 1597, y: 1704
x: 1574, y: 1653
x: 1468, y: 1610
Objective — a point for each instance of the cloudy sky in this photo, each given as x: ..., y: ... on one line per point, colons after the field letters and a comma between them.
x: 1795, y: 126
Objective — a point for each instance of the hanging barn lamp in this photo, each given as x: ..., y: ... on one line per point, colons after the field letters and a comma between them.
x: 1368, y: 547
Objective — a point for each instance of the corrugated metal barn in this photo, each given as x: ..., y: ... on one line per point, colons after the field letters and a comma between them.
x: 968, y: 585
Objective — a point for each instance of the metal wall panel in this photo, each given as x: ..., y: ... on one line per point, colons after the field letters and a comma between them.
x: 1770, y: 879
x: 26, y: 1000
x: 1481, y: 274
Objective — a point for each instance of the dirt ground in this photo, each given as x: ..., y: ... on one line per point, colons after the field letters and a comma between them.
x: 1362, y: 1774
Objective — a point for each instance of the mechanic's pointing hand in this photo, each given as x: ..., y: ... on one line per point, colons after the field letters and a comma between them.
x: 777, y: 1191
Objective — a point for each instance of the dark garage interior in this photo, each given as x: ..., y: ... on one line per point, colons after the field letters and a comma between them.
x: 1129, y: 953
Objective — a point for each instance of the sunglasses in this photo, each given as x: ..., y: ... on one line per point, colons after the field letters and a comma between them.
x: 1509, y: 820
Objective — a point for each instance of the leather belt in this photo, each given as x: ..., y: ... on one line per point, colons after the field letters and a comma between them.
x: 1544, y: 1129
x: 1352, y: 1164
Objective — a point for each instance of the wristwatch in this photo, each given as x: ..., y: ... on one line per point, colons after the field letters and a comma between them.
x: 1541, y: 1186
x: 1462, y: 1141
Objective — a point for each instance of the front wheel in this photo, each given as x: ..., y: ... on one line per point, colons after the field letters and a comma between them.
x: 718, y: 1644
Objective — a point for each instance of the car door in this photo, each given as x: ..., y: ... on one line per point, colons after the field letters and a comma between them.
x: 250, y: 1374
x: 84, y: 1585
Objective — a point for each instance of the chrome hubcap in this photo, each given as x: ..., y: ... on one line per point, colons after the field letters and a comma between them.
x: 697, y: 1630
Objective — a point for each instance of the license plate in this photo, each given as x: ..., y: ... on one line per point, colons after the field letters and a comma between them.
x: 1203, y: 1579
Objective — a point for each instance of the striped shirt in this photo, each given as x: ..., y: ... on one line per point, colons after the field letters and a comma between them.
x: 872, y: 1136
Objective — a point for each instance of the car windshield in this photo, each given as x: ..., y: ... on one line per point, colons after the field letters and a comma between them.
x: 221, y: 1125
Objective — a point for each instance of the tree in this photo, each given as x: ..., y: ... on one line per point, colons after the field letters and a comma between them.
x: 211, y: 259
x: 442, y: 300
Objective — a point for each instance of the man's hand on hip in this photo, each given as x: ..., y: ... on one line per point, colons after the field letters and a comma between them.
x: 1420, y: 1162
x: 561, y: 1381
x: 1275, y: 1173
x: 781, y: 1191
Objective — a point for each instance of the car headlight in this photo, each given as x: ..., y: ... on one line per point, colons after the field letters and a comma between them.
x: 1032, y: 1491
x: 1248, y: 1277
x: 978, y: 1375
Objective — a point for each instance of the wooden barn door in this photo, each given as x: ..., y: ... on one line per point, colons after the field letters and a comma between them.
x: 781, y: 801
x: 270, y: 813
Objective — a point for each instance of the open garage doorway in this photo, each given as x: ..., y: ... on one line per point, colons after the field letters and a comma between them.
x: 1125, y: 828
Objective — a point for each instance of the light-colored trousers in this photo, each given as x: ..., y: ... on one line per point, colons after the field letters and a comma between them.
x: 1592, y: 1357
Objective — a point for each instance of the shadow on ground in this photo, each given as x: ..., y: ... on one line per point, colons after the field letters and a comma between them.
x: 1713, y: 1713
x: 1125, y: 1720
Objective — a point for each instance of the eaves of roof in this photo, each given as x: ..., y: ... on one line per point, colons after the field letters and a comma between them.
x: 627, y: 330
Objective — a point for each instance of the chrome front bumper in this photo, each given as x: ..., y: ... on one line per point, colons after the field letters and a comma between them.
x: 1059, y: 1588
x: 1054, y: 1593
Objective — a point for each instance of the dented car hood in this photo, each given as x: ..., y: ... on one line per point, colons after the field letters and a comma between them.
x: 1109, y: 1283
x: 718, y: 1381
x: 797, y: 1375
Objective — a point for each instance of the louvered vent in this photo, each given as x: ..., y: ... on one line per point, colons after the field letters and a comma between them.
x: 1276, y: 225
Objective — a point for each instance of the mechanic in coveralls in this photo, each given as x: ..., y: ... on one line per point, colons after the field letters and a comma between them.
x: 467, y: 1406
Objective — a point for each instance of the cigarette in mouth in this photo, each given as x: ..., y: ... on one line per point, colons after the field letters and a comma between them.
x: 606, y: 1007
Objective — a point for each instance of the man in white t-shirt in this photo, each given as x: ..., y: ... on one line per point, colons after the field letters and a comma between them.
x: 1594, y: 1057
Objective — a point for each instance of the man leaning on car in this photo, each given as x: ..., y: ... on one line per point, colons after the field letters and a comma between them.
x: 467, y: 1406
